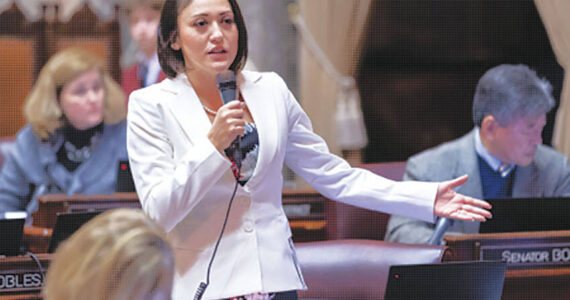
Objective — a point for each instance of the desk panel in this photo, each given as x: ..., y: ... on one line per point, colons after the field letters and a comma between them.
x: 535, y: 273
x: 21, y: 277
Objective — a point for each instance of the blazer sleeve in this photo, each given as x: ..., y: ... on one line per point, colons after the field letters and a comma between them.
x: 168, y: 189
x: 308, y: 156
x: 14, y: 185
x: 407, y: 230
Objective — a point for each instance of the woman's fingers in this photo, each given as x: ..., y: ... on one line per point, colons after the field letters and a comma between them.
x: 457, y: 181
x: 477, y: 202
x: 477, y: 210
x: 467, y: 216
x: 485, y: 214
x: 228, y: 124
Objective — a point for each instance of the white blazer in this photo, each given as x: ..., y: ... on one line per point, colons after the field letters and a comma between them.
x: 185, y: 185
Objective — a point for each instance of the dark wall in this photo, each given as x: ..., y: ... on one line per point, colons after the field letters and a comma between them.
x: 421, y: 62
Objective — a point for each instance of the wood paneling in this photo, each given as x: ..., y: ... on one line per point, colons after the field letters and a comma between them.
x: 16, y: 79
x: 97, y: 46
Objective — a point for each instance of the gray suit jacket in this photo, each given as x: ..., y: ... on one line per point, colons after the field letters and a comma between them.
x: 547, y: 176
x: 31, y: 169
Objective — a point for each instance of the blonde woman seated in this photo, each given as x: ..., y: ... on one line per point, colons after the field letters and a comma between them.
x: 75, y: 136
x: 120, y: 254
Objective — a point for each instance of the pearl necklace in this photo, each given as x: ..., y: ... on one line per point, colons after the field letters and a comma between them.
x: 209, y: 110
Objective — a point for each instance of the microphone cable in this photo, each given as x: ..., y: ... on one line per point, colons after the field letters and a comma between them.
x: 203, y: 285
x: 39, y: 265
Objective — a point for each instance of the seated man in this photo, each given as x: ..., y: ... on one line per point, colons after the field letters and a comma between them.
x: 503, y: 155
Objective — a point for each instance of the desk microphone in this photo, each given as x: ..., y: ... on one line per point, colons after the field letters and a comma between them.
x: 440, y: 228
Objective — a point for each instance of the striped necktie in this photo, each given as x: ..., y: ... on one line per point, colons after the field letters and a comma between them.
x: 142, y: 70
x: 505, y: 169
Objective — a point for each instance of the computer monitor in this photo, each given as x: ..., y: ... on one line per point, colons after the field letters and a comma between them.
x: 477, y: 280
x: 527, y: 214
x: 11, y: 232
x: 66, y: 224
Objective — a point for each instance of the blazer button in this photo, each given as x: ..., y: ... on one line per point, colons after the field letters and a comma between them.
x: 248, y: 226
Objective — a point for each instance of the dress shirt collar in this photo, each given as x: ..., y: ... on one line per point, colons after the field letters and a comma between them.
x: 153, y: 66
x: 489, y: 158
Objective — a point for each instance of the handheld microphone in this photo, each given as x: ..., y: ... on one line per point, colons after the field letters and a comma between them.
x: 228, y: 91
x: 200, y: 292
x: 227, y: 86
x: 440, y: 228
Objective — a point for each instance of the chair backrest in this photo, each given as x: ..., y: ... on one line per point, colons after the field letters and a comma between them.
x: 356, y: 269
x: 349, y: 222
x: 6, y: 144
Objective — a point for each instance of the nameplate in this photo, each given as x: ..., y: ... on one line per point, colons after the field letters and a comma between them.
x: 18, y: 281
x: 528, y: 255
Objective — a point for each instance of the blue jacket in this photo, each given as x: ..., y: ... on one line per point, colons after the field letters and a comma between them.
x: 31, y: 169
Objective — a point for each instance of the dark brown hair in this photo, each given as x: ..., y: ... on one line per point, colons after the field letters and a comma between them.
x: 172, y: 61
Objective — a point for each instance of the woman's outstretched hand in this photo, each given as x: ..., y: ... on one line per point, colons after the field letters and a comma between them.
x: 450, y: 204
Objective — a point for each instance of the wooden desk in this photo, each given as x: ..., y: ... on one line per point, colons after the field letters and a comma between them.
x: 21, y: 277
x: 37, y: 239
x: 38, y: 236
x: 539, y: 270
x: 304, y: 208
x: 50, y: 205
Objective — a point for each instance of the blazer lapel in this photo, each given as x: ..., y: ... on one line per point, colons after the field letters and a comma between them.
x: 187, y: 109
x: 262, y: 110
x: 467, y: 164
x: 526, y: 183
x: 55, y: 173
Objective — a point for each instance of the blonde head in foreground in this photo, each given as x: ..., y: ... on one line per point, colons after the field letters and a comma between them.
x: 120, y: 254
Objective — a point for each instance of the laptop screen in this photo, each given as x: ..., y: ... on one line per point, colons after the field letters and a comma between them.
x: 456, y: 280
x: 11, y: 232
x: 527, y: 214
x: 66, y: 224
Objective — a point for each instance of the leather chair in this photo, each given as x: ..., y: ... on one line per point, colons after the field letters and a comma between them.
x: 356, y: 269
x: 349, y: 222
